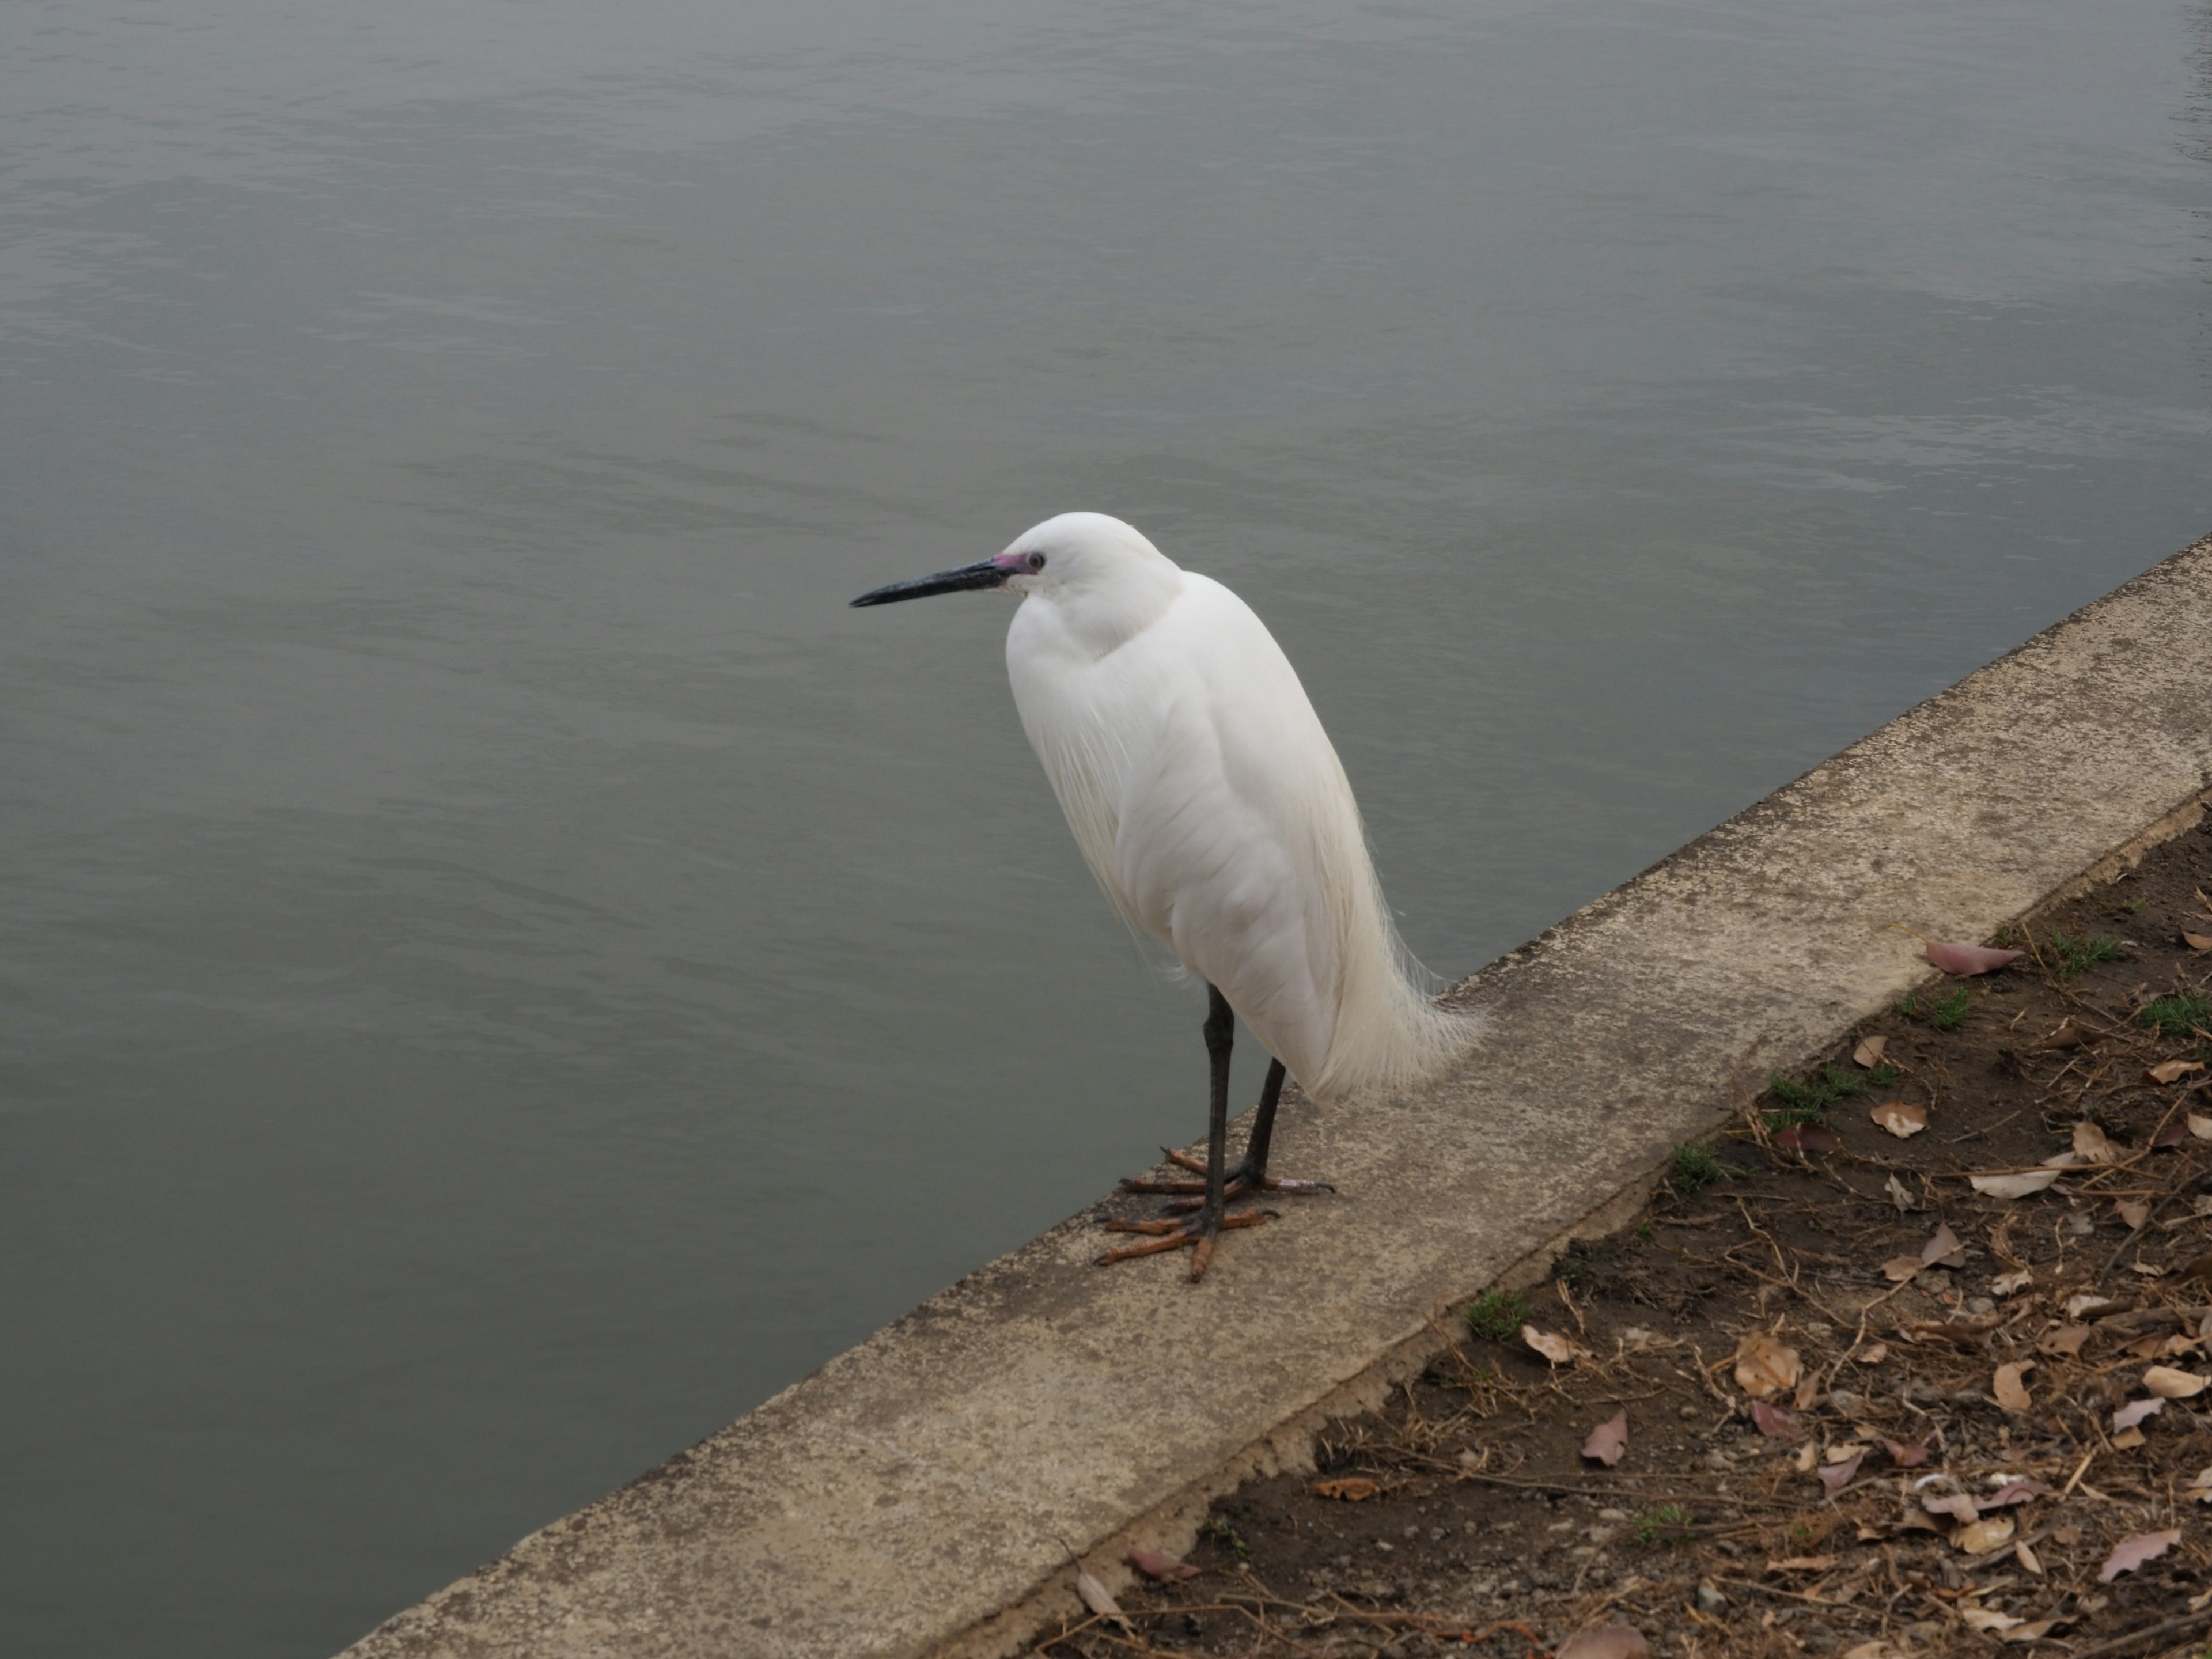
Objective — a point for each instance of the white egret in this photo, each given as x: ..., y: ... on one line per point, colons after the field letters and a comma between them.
x: 1209, y: 804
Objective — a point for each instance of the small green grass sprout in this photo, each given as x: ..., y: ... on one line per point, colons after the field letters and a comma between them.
x: 1496, y: 1314
x: 2070, y: 953
x: 1669, y: 1523
x: 1945, y: 1010
x: 1694, y: 1167
x: 2176, y: 1015
x: 1228, y: 1537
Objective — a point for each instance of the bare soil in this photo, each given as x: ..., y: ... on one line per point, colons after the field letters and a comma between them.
x: 1465, y: 1519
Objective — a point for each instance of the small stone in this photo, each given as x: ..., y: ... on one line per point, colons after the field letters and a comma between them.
x: 1689, y: 1413
x: 1413, y: 1532
x: 1612, y: 1515
x: 1384, y: 1545
x: 2082, y: 1225
x: 1980, y: 1304
x: 1709, y: 1600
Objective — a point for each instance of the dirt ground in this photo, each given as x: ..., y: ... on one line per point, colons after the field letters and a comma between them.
x: 1811, y: 1331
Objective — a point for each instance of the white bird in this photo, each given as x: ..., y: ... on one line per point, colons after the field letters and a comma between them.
x: 1210, y: 804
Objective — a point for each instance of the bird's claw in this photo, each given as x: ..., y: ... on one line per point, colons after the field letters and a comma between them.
x: 1239, y: 1184
x: 1192, y: 1233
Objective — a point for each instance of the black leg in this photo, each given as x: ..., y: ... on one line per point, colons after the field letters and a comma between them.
x: 1220, y: 1035
x: 1263, y: 1126
x: 1197, y: 1232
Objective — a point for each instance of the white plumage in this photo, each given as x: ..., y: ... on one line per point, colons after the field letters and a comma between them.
x: 1211, y: 805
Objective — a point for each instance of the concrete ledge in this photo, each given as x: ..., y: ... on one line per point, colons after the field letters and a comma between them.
x: 912, y: 1496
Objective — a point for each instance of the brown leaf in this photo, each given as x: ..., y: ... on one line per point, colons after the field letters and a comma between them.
x: 1775, y: 1422
x: 2014, y: 1186
x: 1898, y: 1268
x: 1968, y: 959
x: 1809, y: 1138
x: 2027, y: 1557
x: 1836, y: 1476
x: 2067, y: 1036
x: 1959, y: 1505
x: 1906, y: 1454
x: 1987, y: 1618
x: 2168, y: 1383
x: 1944, y: 1249
x: 1873, y: 1354
x: 2134, y: 1212
x: 2200, y: 1487
x: 2090, y: 1143
x: 1159, y: 1564
x: 1902, y: 1118
x: 2197, y: 941
x: 2200, y: 1125
x: 2010, y: 1392
x: 1984, y: 1536
x: 1351, y: 1488
x: 2135, y: 1412
x: 1608, y: 1439
x: 1869, y: 1053
x: 1764, y: 1367
x: 1556, y: 1349
x: 1803, y: 1563
x: 1607, y: 1642
x: 2171, y: 1133
x: 1096, y: 1597
x: 2065, y: 1342
x: 2012, y: 1283
x: 2171, y: 1070
x: 2131, y: 1552
x: 2015, y: 1492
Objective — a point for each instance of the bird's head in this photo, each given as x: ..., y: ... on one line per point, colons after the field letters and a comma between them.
x: 1075, y: 554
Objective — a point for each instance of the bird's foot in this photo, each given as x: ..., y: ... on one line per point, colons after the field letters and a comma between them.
x: 1196, y: 1233
x: 1241, y: 1182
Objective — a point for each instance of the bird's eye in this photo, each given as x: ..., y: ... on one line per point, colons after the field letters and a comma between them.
x: 1036, y: 560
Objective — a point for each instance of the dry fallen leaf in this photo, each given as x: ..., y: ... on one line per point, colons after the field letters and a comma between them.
x: 1808, y: 1392
x: 1556, y: 1349
x: 1159, y: 1564
x: 2171, y: 1070
x: 1803, y: 1563
x: 1906, y: 1454
x: 2090, y: 1145
x: 1844, y: 1453
x: 2014, y: 1186
x: 1902, y: 1118
x: 2131, y: 1552
x: 1809, y: 1456
x: 2197, y: 941
x: 2134, y: 1212
x: 1944, y: 1250
x: 1836, y: 1476
x: 2012, y: 1283
x: 1873, y: 1354
x: 1775, y: 1422
x: 1876, y: 1648
x: 2077, y: 1306
x: 2128, y: 1439
x: 2034, y: 1631
x: 2200, y: 1487
x: 1984, y: 1536
x: 2135, y: 1411
x: 1869, y: 1053
x: 2065, y: 1342
x: 1898, y: 1194
x: 2027, y: 1557
x: 2168, y: 1383
x: 2170, y: 1134
x: 1809, y: 1138
x: 2010, y: 1392
x: 1898, y: 1268
x: 1959, y: 1505
x: 1608, y: 1439
x: 1607, y: 1642
x: 1764, y: 1367
x: 2013, y: 1491
x: 1353, y: 1489
x: 1987, y: 1618
x: 1967, y: 959
x: 2200, y: 1125
x: 1096, y: 1597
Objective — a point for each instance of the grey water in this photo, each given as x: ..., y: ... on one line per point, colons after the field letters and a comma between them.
x: 503, y: 971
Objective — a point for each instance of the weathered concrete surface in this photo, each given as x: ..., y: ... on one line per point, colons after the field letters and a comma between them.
x: 911, y: 1497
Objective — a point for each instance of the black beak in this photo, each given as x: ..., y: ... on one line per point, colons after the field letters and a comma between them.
x: 985, y: 573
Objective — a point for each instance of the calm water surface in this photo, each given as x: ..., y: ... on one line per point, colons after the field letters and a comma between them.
x: 503, y: 971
